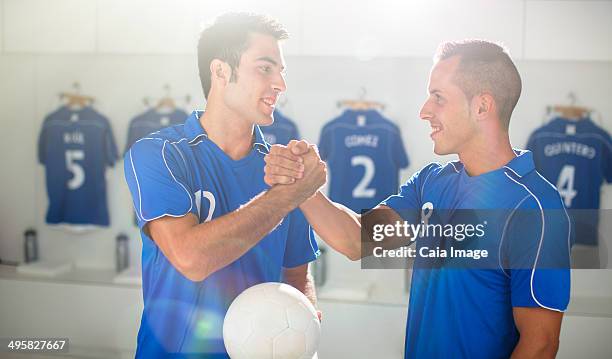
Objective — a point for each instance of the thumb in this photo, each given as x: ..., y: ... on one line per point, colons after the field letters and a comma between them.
x: 298, y: 147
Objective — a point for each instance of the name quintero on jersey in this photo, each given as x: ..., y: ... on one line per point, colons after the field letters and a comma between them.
x: 570, y: 148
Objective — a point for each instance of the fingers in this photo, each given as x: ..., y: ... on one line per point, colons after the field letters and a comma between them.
x: 272, y: 180
x: 284, y: 163
x: 284, y: 151
x: 298, y: 147
x: 274, y: 170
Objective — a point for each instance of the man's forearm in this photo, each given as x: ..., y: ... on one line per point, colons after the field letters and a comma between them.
x: 305, y: 284
x: 337, y: 225
x: 217, y: 243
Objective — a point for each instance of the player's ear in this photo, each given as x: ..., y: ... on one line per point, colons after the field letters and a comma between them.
x: 221, y: 71
x: 483, y: 106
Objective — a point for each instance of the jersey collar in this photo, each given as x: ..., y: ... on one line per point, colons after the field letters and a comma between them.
x: 520, y: 165
x: 195, y: 132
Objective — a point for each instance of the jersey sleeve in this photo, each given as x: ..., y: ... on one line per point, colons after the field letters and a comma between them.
x: 398, y: 151
x: 536, y: 253
x: 111, y: 152
x: 325, y: 143
x: 157, y: 178
x: 407, y: 203
x: 301, y: 245
x: 42, y: 144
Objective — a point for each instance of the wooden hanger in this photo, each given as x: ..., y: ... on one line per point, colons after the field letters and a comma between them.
x: 361, y: 103
x: 571, y: 111
x: 76, y: 99
x: 166, y: 102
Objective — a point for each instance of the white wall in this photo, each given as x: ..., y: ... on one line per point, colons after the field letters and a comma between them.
x: 121, y: 51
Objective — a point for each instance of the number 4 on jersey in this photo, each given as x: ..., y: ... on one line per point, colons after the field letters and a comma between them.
x: 565, y: 185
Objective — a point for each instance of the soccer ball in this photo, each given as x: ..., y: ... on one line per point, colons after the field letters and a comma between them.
x: 271, y: 321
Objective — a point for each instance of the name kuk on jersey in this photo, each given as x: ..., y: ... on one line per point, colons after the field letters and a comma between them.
x: 74, y: 137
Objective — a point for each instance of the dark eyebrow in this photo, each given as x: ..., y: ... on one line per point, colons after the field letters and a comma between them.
x: 269, y: 60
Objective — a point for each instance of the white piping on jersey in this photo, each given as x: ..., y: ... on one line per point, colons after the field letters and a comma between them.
x: 569, y: 222
x: 455, y: 168
x: 174, y: 178
x: 180, y: 153
x: 137, y: 186
x: 424, y: 182
x: 541, y: 240
x: 504, y: 234
x: 172, y: 174
x: 564, y: 136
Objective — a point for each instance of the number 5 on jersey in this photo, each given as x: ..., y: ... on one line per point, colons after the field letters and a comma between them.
x: 78, y: 174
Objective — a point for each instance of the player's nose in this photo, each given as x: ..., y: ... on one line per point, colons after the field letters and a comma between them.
x: 425, y: 113
x: 279, y: 84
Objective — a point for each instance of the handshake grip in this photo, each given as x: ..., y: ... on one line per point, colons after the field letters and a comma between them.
x: 297, y: 166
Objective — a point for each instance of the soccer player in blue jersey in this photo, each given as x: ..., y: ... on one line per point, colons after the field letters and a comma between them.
x: 210, y: 225
x: 510, y: 305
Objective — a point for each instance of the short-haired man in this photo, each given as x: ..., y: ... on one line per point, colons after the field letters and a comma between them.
x: 510, y: 305
x: 209, y: 227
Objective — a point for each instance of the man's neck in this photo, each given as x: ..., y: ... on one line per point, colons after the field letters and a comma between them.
x: 487, y: 156
x: 229, y: 132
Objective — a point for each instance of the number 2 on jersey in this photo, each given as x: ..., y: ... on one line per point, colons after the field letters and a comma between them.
x: 565, y: 185
x: 362, y: 190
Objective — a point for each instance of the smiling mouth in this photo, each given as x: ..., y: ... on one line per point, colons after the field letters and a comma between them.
x: 435, y: 129
x: 270, y: 102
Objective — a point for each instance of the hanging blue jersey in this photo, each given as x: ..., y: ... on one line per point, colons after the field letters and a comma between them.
x: 151, y: 121
x: 576, y: 156
x: 177, y: 171
x: 465, y: 311
x: 76, y: 146
x: 364, y: 152
x: 281, y: 131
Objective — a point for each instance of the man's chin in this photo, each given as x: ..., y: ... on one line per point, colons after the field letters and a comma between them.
x: 441, y: 151
x: 437, y: 150
x: 265, y: 120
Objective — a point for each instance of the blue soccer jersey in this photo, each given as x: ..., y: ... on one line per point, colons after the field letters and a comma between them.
x: 364, y: 152
x: 576, y: 156
x: 76, y: 146
x: 177, y: 171
x: 465, y: 311
x: 281, y: 131
x: 151, y: 121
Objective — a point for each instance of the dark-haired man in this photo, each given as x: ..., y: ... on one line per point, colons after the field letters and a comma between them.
x: 209, y: 227
x: 512, y: 302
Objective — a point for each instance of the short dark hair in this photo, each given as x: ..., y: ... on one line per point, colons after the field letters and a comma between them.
x: 485, y: 67
x: 228, y: 37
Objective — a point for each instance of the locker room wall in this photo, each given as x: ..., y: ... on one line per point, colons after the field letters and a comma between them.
x: 121, y: 51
